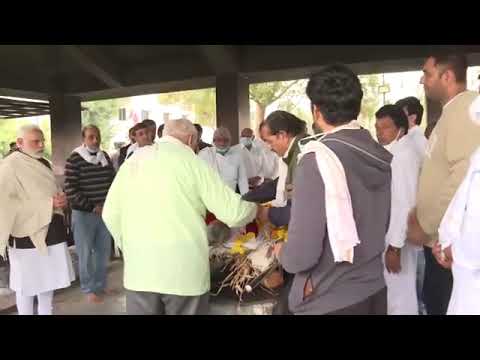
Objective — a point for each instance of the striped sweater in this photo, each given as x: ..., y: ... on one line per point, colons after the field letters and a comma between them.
x: 87, y: 185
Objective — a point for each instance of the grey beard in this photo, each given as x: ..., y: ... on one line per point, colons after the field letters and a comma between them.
x: 36, y: 155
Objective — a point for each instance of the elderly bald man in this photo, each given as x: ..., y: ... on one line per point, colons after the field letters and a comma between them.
x: 166, y: 257
x: 32, y: 224
x: 227, y: 161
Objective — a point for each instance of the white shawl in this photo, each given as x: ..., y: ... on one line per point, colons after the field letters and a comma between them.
x: 26, y: 200
x: 99, y: 158
x: 341, y: 226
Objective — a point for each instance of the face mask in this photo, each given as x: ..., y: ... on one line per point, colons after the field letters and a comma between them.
x: 246, y: 141
x: 223, y: 151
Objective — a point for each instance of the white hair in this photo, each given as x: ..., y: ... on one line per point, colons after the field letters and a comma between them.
x: 223, y: 132
x: 179, y: 128
x: 26, y: 129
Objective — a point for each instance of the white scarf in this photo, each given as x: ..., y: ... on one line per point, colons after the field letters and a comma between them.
x: 460, y: 226
x: 99, y: 158
x: 342, y: 230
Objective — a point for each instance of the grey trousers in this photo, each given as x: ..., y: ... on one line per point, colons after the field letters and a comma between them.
x: 148, y: 303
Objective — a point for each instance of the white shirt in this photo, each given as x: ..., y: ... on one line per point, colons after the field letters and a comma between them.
x: 250, y: 159
x: 259, y: 160
x: 280, y: 200
x: 460, y: 228
x: 269, y: 168
x: 406, y: 165
x: 418, y: 140
x: 231, y: 167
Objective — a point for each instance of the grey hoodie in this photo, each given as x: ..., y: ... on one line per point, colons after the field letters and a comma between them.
x: 307, y: 252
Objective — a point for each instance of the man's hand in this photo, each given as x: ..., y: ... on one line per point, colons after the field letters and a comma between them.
x: 393, y: 260
x: 262, y: 213
x: 415, y: 233
x: 444, y: 258
x: 59, y: 201
x: 98, y: 210
x: 253, y: 181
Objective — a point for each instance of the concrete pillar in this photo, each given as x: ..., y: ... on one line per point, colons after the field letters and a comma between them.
x: 233, y: 108
x: 434, y: 111
x: 66, y: 127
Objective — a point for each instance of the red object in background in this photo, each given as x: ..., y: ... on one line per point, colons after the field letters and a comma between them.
x: 251, y: 227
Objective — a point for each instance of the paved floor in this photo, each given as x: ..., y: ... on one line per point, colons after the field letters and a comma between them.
x: 71, y: 301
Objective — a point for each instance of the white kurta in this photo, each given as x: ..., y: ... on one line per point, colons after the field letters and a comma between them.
x: 252, y: 165
x: 269, y: 168
x: 259, y: 161
x: 401, y: 287
x: 418, y: 141
x: 230, y: 166
x: 460, y: 229
x: 33, y: 273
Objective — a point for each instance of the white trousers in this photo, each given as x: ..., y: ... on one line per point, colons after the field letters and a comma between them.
x: 402, y: 287
x: 45, y: 303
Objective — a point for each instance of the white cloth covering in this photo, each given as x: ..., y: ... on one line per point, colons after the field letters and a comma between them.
x: 99, y: 158
x: 341, y: 226
x: 26, y: 199
x: 32, y: 273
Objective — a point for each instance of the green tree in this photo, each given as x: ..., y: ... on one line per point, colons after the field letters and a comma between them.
x: 291, y: 102
x: 264, y: 94
x: 101, y: 113
x: 201, y: 102
x: 8, y: 134
x: 371, y: 100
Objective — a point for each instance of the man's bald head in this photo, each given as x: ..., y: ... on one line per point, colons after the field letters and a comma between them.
x: 247, y: 132
x: 183, y: 130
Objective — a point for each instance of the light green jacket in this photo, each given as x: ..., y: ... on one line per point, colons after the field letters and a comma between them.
x: 155, y: 211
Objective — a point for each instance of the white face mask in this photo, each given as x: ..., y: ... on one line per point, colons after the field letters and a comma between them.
x: 246, y: 141
x: 223, y: 151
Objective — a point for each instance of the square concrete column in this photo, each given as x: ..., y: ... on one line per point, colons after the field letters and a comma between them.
x: 66, y: 127
x: 233, y: 108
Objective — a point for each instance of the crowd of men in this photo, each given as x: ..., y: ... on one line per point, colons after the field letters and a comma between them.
x: 385, y: 226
